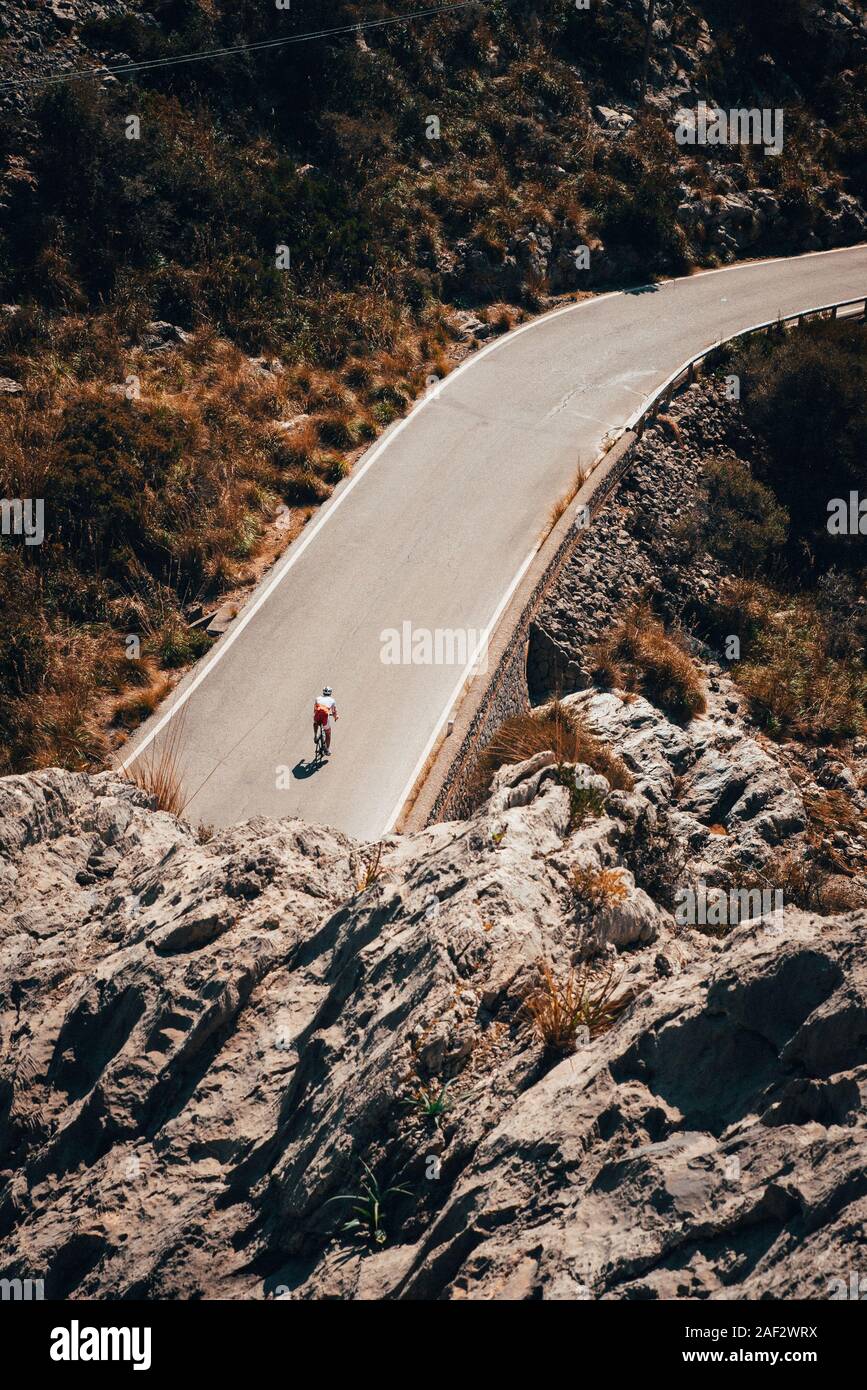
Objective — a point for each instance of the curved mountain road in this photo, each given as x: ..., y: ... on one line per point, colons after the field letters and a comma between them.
x: 432, y: 530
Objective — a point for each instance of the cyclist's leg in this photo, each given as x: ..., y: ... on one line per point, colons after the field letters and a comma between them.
x: 328, y: 738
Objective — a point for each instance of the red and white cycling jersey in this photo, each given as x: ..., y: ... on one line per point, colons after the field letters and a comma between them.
x: 328, y: 705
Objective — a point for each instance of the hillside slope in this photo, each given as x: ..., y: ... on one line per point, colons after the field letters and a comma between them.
x: 182, y: 402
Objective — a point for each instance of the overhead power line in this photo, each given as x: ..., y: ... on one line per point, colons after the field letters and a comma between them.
x: 150, y: 64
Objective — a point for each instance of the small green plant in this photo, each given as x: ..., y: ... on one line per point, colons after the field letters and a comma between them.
x: 583, y: 801
x: 159, y: 772
x: 177, y: 644
x: 429, y: 1104
x: 741, y: 521
x: 368, y: 1204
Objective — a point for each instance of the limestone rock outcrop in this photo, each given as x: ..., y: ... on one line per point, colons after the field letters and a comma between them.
x: 203, y: 1044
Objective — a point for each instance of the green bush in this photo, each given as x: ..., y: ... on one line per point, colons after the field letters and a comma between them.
x: 637, y: 201
x: 743, y: 524
x: 177, y: 644
x: 804, y: 395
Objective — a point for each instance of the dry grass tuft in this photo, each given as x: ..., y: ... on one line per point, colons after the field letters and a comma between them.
x: 639, y: 656
x: 553, y: 730
x: 138, y: 704
x: 158, y: 771
x: 372, y: 870
x: 563, y: 503
x: 63, y: 730
x: 502, y: 317
x: 564, y: 1010
x: 597, y: 889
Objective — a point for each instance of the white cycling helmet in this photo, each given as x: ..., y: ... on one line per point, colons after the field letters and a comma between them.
x: 326, y: 690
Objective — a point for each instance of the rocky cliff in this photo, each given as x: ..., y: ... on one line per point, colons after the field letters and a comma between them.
x: 740, y: 798
x: 204, y: 1044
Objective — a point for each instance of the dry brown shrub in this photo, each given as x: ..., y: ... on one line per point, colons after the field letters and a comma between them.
x: 553, y: 729
x: 638, y: 655
x: 795, y: 688
x: 295, y: 447
x: 561, y: 1007
x: 797, y: 681
x: 597, y: 889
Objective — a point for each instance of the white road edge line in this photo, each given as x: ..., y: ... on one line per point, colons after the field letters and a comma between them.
x: 429, y: 746
x: 297, y: 549
x: 720, y: 342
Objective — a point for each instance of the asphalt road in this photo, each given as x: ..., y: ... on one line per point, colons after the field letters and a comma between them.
x: 432, y: 529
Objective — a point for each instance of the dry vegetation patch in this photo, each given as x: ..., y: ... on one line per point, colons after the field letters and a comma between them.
x: 555, y: 730
x: 639, y: 656
x: 566, y: 1010
x: 594, y: 889
x: 804, y: 676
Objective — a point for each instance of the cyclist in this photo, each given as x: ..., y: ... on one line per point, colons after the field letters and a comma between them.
x: 324, y: 709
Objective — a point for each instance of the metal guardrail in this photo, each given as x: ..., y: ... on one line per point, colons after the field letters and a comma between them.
x: 688, y: 371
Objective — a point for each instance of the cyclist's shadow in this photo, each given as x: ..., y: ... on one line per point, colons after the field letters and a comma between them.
x: 305, y: 768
